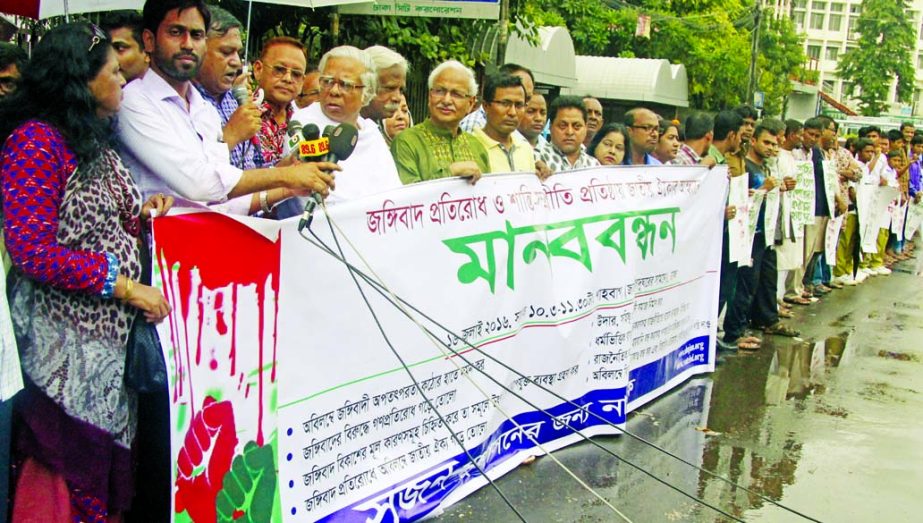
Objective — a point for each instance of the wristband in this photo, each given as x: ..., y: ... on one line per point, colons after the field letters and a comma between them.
x: 129, y: 287
x: 264, y: 202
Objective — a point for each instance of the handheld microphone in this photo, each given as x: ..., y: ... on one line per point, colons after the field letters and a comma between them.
x: 342, y: 142
x: 294, y: 132
x: 312, y: 147
x: 241, y: 94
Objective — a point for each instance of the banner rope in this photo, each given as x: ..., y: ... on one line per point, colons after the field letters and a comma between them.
x: 382, y: 289
x: 458, y: 367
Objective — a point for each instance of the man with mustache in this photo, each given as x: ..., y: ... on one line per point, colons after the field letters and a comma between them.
x: 217, y: 77
x: 280, y: 74
x: 391, y: 72
x: 504, y: 102
x: 565, y: 151
x: 172, y: 138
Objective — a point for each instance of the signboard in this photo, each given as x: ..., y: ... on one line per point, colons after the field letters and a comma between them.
x: 535, y: 310
x: 487, y: 9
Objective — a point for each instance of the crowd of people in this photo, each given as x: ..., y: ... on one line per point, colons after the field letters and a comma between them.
x: 103, y: 127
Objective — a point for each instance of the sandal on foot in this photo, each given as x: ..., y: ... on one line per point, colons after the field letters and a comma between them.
x: 781, y: 329
x: 785, y: 313
x: 747, y: 344
x: 796, y: 300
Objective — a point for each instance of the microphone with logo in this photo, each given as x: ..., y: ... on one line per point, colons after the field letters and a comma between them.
x: 341, y: 142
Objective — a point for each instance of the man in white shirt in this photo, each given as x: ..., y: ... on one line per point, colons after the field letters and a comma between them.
x: 348, y: 83
x: 172, y: 138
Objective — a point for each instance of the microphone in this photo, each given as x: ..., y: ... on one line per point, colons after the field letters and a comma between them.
x: 240, y: 93
x: 342, y: 142
x: 312, y: 147
x: 294, y: 133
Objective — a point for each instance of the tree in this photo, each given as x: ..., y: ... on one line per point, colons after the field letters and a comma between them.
x: 781, y: 58
x: 886, y: 39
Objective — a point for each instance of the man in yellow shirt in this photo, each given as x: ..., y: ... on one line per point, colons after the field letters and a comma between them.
x: 504, y: 103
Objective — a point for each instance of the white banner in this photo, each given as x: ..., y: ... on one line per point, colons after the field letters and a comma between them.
x: 873, y: 203
x: 739, y: 236
x: 831, y: 185
x: 898, y: 216
x: 832, y: 237
x: 585, y: 297
x: 802, y: 204
x: 914, y: 219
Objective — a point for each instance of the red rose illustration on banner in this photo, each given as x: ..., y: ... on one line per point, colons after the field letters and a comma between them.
x: 204, y: 459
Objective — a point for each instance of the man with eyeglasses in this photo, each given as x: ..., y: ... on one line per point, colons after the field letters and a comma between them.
x: 217, y: 77
x: 391, y: 71
x: 504, y: 102
x: 478, y: 118
x: 12, y: 60
x: 280, y: 74
x: 171, y: 136
x: 310, y: 91
x: 347, y: 83
x: 437, y: 147
x: 643, y: 134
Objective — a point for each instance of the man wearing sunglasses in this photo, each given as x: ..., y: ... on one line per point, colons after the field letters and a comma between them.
x: 347, y: 84
x: 280, y: 74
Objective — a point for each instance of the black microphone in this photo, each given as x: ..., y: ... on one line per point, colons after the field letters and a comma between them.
x: 342, y: 142
x: 294, y: 133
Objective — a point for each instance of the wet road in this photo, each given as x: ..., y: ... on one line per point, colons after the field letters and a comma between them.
x: 829, y: 425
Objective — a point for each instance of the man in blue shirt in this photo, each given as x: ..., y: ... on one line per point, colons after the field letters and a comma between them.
x: 643, y: 134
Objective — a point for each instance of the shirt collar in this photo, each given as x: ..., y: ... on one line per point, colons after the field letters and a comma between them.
x: 157, y: 87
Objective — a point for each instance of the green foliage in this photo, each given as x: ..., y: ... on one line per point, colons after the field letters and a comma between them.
x: 710, y: 37
x: 781, y: 59
x: 886, y: 39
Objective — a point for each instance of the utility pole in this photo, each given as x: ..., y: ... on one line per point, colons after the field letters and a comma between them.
x: 754, y: 53
x: 504, y: 32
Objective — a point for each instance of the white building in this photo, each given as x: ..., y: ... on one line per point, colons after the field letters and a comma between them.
x: 829, y: 29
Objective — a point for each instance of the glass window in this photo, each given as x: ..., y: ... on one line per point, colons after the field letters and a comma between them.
x: 814, y: 51
x: 835, y: 23
x: 817, y: 21
x: 818, y: 6
x: 828, y: 86
x: 855, y: 8
x: 832, y: 52
x: 853, y: 24
x: 836, y: 8
x: 920, y: 61
x: 799, y: 4
x: 798, y: 19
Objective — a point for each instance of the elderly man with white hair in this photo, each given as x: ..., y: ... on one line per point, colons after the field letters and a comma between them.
x: 348, y: 83
x: 438, y: 148
x: 391, y: 71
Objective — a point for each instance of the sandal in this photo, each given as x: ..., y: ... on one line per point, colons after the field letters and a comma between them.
x: 796, y: 300
x: 747, y: 344
x: 786, y: 313
x: 781, y: 329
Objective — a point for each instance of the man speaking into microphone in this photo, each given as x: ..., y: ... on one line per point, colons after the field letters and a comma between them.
x: 347, y: 83
x: 172, y: 140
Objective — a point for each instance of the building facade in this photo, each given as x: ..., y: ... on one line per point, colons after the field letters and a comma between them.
x: 829, y: 30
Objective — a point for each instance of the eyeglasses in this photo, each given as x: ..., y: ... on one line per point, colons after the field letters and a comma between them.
x: 647, y: 128
x: 440, y: 92
x: 279, y: 71
x: 97, y: 35
x: 326, y: 83
x: 507, y: 104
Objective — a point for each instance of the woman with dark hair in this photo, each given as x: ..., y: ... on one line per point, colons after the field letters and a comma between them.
x: 609, y: 144
x: 668, y: 145
x: 72, y: 219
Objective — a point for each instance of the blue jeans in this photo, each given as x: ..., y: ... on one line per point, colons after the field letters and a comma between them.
x: 821, y: 271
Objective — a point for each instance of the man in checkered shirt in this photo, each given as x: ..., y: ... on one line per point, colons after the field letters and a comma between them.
x: 565, y: 150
